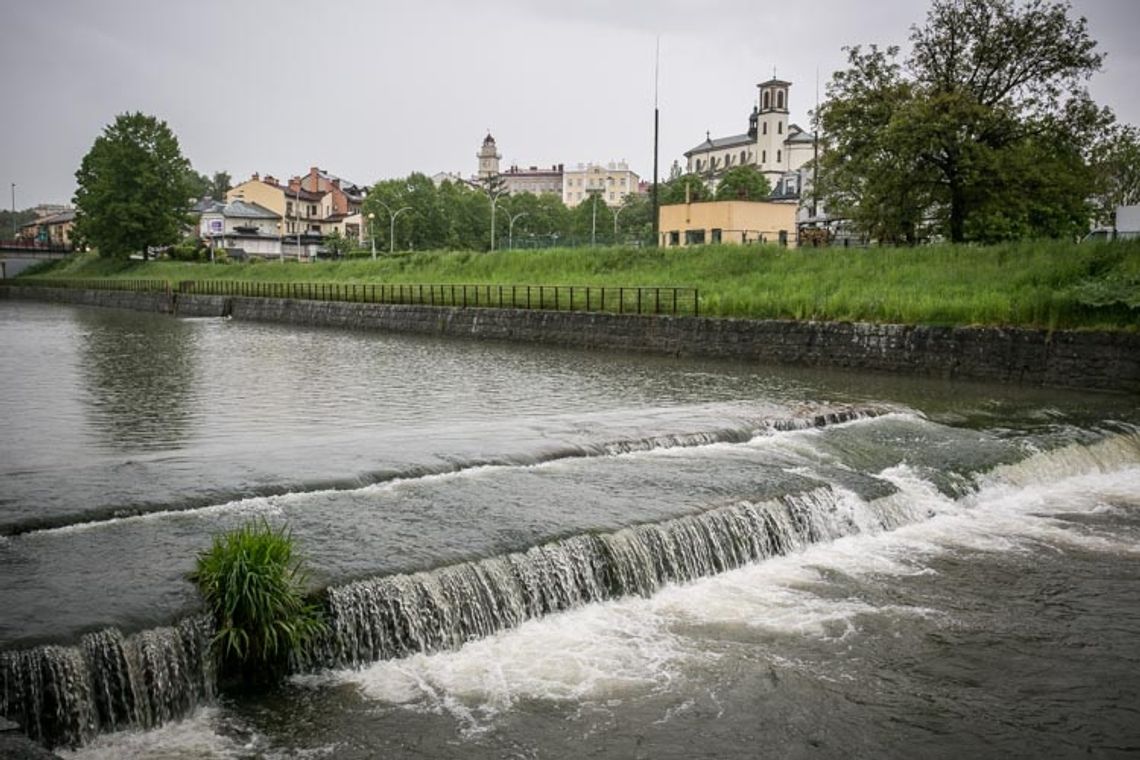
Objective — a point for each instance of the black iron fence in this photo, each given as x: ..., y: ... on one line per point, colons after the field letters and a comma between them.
x: 676, y: 301
x: 134, y: 286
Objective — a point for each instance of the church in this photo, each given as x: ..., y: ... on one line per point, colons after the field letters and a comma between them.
x: 773, y: 144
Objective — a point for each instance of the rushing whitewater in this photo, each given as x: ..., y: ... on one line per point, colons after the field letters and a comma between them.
x: 535, y: 552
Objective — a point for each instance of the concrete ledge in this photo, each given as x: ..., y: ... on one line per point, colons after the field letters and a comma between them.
x: 1091, y: 360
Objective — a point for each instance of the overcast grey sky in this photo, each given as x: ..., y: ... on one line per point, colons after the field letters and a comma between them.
x: 372, y: 90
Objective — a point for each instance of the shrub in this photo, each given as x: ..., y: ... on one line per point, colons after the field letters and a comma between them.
x: 253, y: 585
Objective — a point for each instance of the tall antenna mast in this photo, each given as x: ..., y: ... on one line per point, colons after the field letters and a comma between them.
x: 656, y: 133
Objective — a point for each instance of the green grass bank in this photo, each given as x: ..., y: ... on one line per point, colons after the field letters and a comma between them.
x: 1044, y: 284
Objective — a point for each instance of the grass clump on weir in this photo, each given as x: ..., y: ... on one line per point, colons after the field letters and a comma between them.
x: 1047, y: 284
x: 253, y: 585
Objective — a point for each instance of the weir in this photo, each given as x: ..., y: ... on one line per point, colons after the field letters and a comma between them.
x: 64, y: 695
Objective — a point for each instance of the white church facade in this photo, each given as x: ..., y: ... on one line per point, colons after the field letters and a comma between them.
x: 773, y: 144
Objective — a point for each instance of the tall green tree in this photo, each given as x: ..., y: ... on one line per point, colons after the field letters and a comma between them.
x: 686, y: 187
x: 982, y: 132
x: 220, y: 184
x: 743, y: 183
x: 132, y: 188
x: 1116, y: 166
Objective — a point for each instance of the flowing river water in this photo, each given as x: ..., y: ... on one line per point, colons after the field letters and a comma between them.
x: 532, y: 552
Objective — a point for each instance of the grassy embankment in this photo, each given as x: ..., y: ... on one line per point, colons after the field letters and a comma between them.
x: 1048, y: 284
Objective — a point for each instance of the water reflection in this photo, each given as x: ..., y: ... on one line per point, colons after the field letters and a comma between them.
x: 139, y: 378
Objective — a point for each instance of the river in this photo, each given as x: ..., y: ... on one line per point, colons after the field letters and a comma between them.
x: 542, y: 552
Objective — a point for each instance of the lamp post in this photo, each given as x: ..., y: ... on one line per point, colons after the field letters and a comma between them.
x: 297, y: 217
x: 511, y: 229
x: 391, y: 225
x: 280, y: 242
x: 594, y: 217
x: 371, y: 234
x: 616, y: 212
x: 494, y: 203
x: 13, y: 210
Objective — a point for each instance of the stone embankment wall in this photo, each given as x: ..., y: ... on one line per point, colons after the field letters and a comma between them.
x: 1091, y: 360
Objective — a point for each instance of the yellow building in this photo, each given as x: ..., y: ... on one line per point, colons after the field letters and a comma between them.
x: 728, y: 222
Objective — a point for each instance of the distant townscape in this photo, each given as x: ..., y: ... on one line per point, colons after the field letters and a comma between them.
x: 911, y: 149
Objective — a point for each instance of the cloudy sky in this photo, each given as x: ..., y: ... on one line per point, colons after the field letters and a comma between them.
x: 376, y: 89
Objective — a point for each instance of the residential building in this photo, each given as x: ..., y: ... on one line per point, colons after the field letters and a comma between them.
x: 242, y: 228
x: 55, y: 228
x: 533, y: 180
x: 301, y: 210
x: 739, y: 222
x: 772, y: 143
x: 612, y: 183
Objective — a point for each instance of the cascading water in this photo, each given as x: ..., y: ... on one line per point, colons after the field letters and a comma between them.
x: 65, y: 695
x: 395, y: 616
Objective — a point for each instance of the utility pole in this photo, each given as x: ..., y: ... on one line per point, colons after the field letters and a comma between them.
x: 14, y: 211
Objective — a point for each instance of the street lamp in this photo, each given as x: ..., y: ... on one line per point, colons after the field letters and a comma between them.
x: 298, y: 216
x: 494, y: 203
x: 594, y: 217
x: 391, y: 226
x: 511, y: 230
x: 616, y: 212
x: 371, y: 234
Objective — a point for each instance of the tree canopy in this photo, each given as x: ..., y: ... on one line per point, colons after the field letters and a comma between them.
x: 132, y: 191
x: 982, y: 133
x: 1116, y: 165
x: 743, y: 183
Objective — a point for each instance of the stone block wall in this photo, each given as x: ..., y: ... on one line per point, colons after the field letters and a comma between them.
x: 1075, y: 359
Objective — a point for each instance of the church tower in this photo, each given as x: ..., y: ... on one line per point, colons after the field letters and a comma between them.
x: 772, y: 117
x: 488, y: 157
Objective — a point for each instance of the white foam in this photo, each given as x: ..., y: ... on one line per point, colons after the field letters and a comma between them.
x: 633, y: 646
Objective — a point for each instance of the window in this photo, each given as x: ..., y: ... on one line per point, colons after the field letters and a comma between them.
x: 694, y: 237
x: 716, y: 235
x: 779, y: 156
x: 765, y: 128
x: 674, y: 237
x: 289, y: 208
x: 743, y: 157
x: 766, y: 101
x: 763, y: 156
x: 780, y: 127
x: 780, y: 100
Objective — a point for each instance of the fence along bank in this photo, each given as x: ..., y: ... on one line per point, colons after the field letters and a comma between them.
x: 655, y: 319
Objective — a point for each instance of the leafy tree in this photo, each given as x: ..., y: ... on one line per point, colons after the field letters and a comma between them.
x: 981, y: 133
x: 132, y: 188
x: 1116, y: 166
x: 468, y: 215
x: 198, y: 185
x: 221, y: 184
x: 635, y: 222
x: 673, y: 191
x: 743, y: 183
x: 339, y: 245
x: 10, y: 223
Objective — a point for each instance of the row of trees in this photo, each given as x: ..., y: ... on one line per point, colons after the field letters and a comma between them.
x: 458, y: 216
